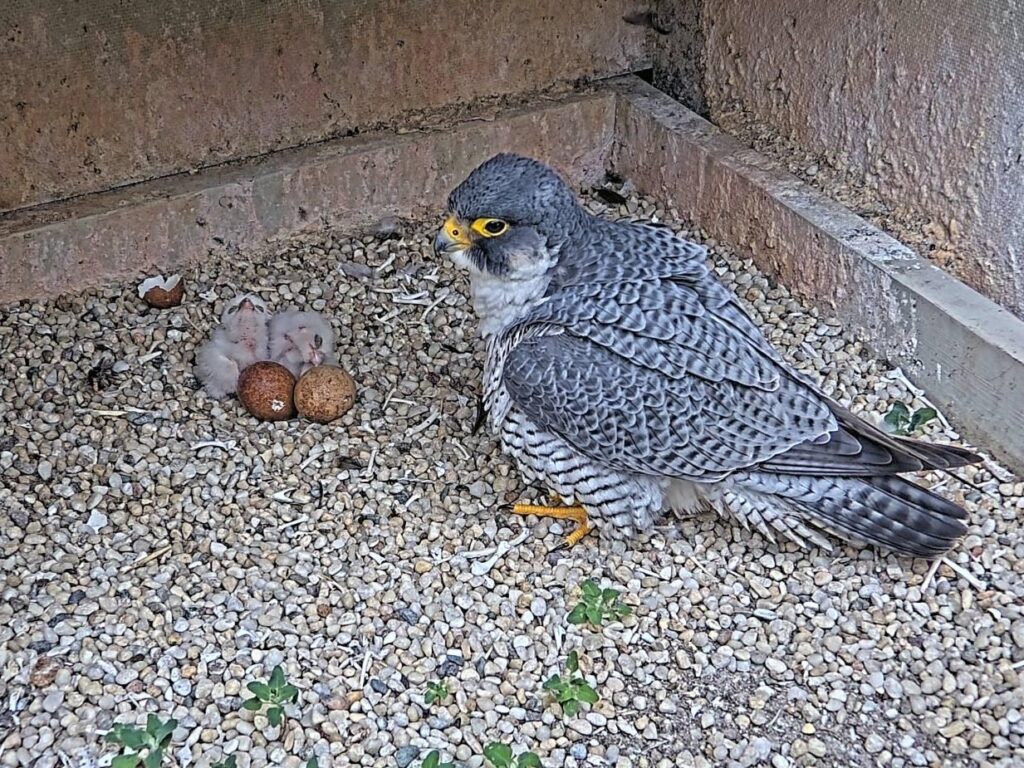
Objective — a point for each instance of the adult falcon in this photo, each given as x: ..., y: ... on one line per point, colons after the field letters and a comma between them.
x: 622, y: 375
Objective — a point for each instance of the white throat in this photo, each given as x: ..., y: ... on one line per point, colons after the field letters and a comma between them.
x: 501, y: 302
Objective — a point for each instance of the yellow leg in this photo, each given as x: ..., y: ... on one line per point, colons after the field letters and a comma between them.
x: 577, y: 514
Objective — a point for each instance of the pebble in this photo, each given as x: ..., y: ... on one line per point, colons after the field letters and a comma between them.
x: 196, y: 580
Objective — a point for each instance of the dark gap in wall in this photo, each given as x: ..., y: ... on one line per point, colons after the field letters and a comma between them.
x: 647, y: 75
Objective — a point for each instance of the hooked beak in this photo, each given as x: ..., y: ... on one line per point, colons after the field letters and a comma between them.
x: 246, y: 304
x: 316, y: 356
x: 452, y: 237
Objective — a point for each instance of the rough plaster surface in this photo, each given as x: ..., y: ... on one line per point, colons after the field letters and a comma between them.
x: 98, y: 93
x: 964, y: 350
x: 922, y: 99
x: 348, y: 183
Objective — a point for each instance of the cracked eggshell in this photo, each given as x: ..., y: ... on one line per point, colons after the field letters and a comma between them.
x: 266, y: 389
x: 324, y: 393
x: 162, y: 293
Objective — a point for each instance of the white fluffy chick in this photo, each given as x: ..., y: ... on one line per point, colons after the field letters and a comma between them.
x: 239, y: 341
x: 301, y: 340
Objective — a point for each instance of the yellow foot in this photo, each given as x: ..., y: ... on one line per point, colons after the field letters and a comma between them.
x: 577, y: 514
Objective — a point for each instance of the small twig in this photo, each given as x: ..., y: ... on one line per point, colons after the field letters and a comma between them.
x: 971, y: 578
x: 387, y: 263
x: 458, y: 447
x: 147, y: 559
x: 931, y: 575
x: 483, y: 567
x: 369, y: 465
x: 122, y: 412
x: 285, y: 497
x: 293, y: 523
x: 431, y: 307
x: 434, y: 415
x: 419, y: 299
x: 224, y: 446
x: 364, y: 669
x: 314, y: 454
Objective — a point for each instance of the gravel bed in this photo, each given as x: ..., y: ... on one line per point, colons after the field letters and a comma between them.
x: 160, y: 550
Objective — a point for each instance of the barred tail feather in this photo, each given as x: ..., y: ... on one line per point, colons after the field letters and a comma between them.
x: 890, y: 512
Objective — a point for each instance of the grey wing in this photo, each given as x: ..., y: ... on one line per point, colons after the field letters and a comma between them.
x: 635, y: 418
x: 659, y: 371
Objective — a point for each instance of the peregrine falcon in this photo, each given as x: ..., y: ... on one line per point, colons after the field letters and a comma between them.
x: 623, y: 376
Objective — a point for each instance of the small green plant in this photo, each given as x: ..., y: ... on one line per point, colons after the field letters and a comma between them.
x: 597, y: 606
x: 312, y: 763
x: 900, y: 421
x: 274, y: 693
x: 571, y: 691
x: 433, y: 760
x: 437, y: 691
x: 153, y: 740
x: 228, y: 762
x: 500, y: 756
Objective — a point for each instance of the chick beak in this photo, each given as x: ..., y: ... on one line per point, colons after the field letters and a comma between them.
x: 452, y: 237
x: 316, y: 356
x: 247, y: 305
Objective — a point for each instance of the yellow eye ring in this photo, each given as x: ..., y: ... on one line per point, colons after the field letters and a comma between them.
x: 489, y: 227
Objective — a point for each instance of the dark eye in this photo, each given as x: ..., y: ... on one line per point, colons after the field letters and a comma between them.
x: 232, y: 310
x: 318, y: 340
x: 490, y: 227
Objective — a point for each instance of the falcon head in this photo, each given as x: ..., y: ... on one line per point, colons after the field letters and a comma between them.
x: 508, y: 219
x: 244, y: 304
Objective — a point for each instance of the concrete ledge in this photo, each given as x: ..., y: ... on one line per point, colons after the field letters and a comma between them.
x: 964, y: 350
x: 350, y: 183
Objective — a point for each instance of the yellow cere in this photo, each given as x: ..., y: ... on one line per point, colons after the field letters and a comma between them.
x: 456, y: 231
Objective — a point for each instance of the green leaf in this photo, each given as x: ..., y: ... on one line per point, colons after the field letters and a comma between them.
x: 571, y: 707
x: 130, y: 737
x: 261, y: 690
x: 274, y: 715
x: 577, y: 615
x: 230, y: 762
x: 529, y: 760
x: 500, y: 755
x: 277, y: 677
x: 591, y: 590
x: 432, y: 760
x: 897, y: 419
x: 594, y: 615
x: 125, y: 761
x: 609, y: 595
x: 586, y: 694
x: 253, y: 705
x: 921, y: 417
x: 161, y: 731
x: 312, y: 763
x: 288, y: 693
x: 553, y: 683
x: 153, y: 759
x: 573, y: 662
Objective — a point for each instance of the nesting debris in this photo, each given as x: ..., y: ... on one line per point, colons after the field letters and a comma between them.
x: 162, y: 293
x: 738, y: 652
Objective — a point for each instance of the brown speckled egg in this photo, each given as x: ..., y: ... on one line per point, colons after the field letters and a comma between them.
x: 267, y: 390
x: 324, y: 393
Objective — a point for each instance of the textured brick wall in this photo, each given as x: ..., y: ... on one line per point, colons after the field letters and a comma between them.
x: 99, y: 93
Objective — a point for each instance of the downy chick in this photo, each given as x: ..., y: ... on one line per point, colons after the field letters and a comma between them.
x: 301, y: 340
x: 239, y: 341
